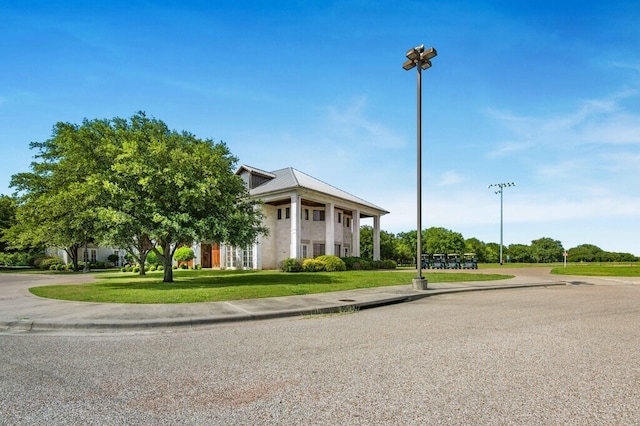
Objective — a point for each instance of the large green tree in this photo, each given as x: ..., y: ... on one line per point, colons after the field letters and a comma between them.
x: 56, y: 199
x: 442, y: 240
x: 546, y: 250
x: 136, y: 183
x: 387, y: 243
x: 7, y: 218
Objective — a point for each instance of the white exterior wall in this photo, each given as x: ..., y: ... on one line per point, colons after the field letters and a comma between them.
x: 267, y: 246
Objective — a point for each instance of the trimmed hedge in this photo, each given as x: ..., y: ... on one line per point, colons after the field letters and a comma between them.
x: 331, y: 263
x: 291, y: 265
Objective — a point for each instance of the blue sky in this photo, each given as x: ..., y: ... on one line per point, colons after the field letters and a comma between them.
x: 545, y: 94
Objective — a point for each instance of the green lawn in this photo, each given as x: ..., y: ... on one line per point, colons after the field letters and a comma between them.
x: 208, y: 286
x: 600, y: 270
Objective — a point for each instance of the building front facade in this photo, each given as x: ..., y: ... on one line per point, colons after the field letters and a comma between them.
x: 306, y: 218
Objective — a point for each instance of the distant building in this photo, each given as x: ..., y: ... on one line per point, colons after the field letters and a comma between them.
x: 92, y: 254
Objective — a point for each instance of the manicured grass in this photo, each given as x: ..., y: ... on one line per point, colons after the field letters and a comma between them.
x: 600, y: 270
x: 209, y: 286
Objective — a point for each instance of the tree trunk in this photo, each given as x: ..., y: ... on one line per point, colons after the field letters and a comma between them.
x: 73, y: 254
x: 143, y: 259
x: 167, y: 256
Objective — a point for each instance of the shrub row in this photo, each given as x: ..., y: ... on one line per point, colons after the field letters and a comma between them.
x: 363, y: 264
x: 330, y: 263
x: 324, y: 263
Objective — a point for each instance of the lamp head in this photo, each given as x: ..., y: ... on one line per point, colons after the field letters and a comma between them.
x: 409, y: 64
x: 414, y: 53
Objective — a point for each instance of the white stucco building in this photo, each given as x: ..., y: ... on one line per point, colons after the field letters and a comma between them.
x: 305, y: 217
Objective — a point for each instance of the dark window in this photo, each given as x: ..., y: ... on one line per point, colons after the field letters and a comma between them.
x: 306, y: 214
x: 287, y: 213
x: 339, y: 217
x: 279, y: 214
x: 318, y: 215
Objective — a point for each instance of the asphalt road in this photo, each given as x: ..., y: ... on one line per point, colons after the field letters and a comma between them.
x: 558, y: 355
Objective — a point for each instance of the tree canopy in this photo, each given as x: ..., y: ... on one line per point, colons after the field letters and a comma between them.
x: 134, y: 183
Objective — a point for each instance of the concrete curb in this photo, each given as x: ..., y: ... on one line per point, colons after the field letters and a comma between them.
x: 347, y: 306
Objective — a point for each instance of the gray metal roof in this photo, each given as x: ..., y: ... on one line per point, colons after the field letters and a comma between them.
x: 290, y: 179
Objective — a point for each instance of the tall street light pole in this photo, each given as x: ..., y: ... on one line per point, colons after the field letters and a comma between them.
x: 501, y: 187
x: 419, y: 58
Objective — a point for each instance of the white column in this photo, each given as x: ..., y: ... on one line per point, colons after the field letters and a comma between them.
x: 376, y: 237
x: 356, y: 233
x: 294, y: 250
x: 330, y: 229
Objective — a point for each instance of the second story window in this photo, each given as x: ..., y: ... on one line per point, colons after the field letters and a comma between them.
x: 318, y: 215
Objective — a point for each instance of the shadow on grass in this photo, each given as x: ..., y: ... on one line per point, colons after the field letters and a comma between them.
x: 212, y: 280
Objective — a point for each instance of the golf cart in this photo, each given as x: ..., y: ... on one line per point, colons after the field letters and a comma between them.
x: 470, y: 261
x: 453, y: 261
x: 439, y: 261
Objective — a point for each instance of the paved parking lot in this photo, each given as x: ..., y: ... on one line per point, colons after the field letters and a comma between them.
x: 555, y: 355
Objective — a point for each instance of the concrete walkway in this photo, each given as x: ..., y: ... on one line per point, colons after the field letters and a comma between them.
x: 22, y: 311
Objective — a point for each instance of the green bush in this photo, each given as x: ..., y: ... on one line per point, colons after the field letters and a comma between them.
x: 183, y: 255
x: 313, y: 265
x: 128, y: 268
x: 160, y: 268
x: 291, y: 265
x: 113, y: 258
x: 175, y: 267
x: 384, y: 264
x: 357, y: 263
x: 184, y: 266
x: 152, y: 268
x: 18, y: 259
x: 152, y: 257
x: 123, y: 269
x: 331, y: 263
x: 46, y: 262
x: 135, y: 269
x: 198, y: 267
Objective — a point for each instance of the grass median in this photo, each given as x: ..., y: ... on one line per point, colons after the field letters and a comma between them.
x: 212, y: 286
x: 600, y: 270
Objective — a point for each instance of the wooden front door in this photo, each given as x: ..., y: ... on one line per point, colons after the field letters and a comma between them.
x: 215, y: 256
x: 205, y: 255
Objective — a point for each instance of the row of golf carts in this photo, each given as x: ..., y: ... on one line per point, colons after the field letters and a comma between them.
x: 449, y: 261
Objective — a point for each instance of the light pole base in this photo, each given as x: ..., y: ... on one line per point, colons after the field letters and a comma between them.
x: 419, y: 283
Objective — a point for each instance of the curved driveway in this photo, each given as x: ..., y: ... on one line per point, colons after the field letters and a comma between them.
x: 21, y: 310
x: 555, y: 354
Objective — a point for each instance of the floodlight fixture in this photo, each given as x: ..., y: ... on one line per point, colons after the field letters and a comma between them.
x: 409, y: 64
x: 428, y: 54
x: 500, y: 191
x: 414, y: 53
x: 425, y: 64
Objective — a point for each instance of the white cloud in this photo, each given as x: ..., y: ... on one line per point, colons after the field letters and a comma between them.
x: 450, y: 178
x: 350, y: 124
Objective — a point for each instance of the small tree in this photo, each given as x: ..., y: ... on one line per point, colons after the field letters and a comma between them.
x: 184, y: 255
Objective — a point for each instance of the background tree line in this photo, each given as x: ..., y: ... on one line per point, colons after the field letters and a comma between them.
x: 402, y: 247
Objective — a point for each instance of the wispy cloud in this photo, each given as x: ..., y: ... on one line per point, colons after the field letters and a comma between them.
x: 450, y: 178
x: 351, y: 124
x: 594, y: 121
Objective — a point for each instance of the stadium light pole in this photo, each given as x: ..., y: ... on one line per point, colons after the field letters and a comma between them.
x: 501, y: 187
x: 419, y: 58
